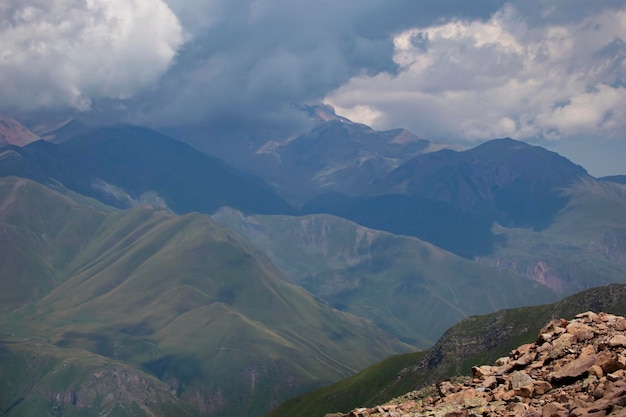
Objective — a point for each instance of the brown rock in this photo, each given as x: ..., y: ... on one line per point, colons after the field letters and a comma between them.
x: 580, y: 330
x: 541, y: 387
x: 457, y: 413
x: 490, y: 382
x: 447, y: 388
x: 519, y: 409
x: 580, y: 412
x: 519, y: 379
x: 525, y: 391
x: 620, y: 324
x: 619, y: 413
x: 598, y: 393
x: 587, y: 350
x: 483, y: 371
x: 608, y: 361
x: 502, y: 361
x: 523, y: 350
x: 461, y: 396
x: 554, y: 410
x: 550, y: 330
x: 618, y: 340
x: 561, y: 344
x: 526, y: 359
x: 575, y: 368
x: 596, y: 370
x: 613, y: 396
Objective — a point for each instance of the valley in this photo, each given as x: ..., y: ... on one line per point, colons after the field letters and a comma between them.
x: 142, y: 276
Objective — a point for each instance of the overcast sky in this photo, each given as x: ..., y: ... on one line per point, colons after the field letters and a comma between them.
x: 549, y: 72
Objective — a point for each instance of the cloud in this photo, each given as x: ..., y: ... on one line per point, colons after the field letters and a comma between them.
x: 254, y: 59
x: 241, y: 61
x: 547, y: 74
x: 444, y: 68
x: 67, y: 53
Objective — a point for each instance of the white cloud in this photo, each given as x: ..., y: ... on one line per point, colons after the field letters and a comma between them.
x: 66, y: 53
x: 502, y: 77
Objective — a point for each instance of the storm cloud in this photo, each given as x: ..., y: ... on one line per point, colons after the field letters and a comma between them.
x: 163, y: 62
x: 546, y: 74
x: 66, y: 53
x: 447, y: 69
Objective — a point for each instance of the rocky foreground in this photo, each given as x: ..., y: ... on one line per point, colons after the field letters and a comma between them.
x: 575, y: 368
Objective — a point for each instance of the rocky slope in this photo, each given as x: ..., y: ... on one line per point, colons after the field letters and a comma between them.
x: 574, y: 368
x: 13, y: 132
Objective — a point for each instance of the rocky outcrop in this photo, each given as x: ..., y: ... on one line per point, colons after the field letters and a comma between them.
x: 575, y: 368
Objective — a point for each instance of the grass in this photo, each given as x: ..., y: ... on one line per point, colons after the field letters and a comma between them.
x: 474, y: 341
x: 408, y: 287
x: 583, y: 247
x: 181, y: 299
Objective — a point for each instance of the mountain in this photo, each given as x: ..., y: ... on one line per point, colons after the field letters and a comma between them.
x: 13, y: 132
x: 584, y: 247
x: 339, y: 156
x: 510, y: 181
x: 66, y: 130
x: 408, y: 287
x: 573, y: 368
x: 126, y: 165
x: 187, y: 315
x: 335, y: 155
x: 39, y: 379
x: 452, y: 198
x: 475, y: 340
x: 620, y: 179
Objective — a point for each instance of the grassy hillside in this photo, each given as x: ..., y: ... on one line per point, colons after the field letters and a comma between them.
x: 177, y: 297
x: 585, y: 246
x: 41, y: 379
x: 408, y: 287
x: 475, y: 340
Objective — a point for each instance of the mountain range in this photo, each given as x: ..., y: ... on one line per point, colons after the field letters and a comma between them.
x: 147, y: 292
x: 336, y: 155
x: 126, y: 165
x: 226, y: 277
x: 406, y: 286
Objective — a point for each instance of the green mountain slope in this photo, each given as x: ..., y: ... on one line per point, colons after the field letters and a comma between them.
x: 584, y: 247
x: 179, y: 298
x: 475, y: 340
x: 38, y: 379
x: 408, y: 287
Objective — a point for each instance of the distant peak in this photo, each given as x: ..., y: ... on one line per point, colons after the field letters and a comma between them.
x: 507, y: 142
x: 321, y: 113
x: 13, y: 132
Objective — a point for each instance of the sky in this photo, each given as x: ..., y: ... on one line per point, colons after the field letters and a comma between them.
x: 550, y: 72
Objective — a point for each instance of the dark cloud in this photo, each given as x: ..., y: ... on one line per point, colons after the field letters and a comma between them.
x: 251, y: 60
x: 243, y: 60
x: 533, y: 68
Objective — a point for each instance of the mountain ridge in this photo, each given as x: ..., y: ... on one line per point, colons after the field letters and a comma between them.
x: 178, y: 298
x: 124, y: 165
x: 408, y: 287
x: 473, y: 341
